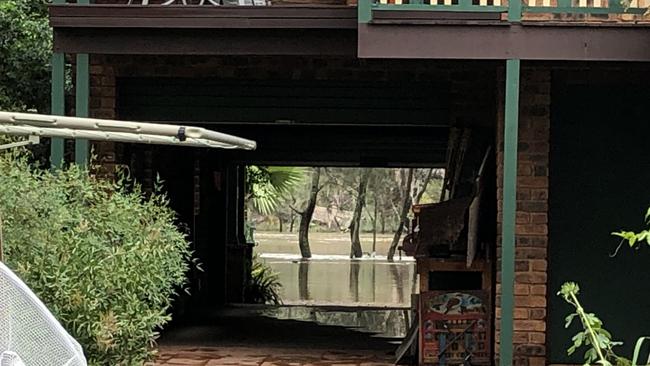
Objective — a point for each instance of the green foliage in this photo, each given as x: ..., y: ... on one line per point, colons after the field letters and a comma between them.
x: 106, y: 260
x: 25, y: 53
x: 597, y: 340
x: 593, y: 336
x: 633, y: 238
x: 264, y: 285
x: 267, y: 185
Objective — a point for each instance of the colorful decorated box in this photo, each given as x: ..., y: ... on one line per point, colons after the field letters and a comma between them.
x: 454, y: 328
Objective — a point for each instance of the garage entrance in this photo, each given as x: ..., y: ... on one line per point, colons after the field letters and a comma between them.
x: 358, y: 120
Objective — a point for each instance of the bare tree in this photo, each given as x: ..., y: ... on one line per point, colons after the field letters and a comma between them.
x: 307, y: 214
x: 406, y: 205
x: 355, y: 224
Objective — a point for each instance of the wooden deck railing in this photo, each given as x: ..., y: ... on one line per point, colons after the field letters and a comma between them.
x: 617, y: 10
x: 585, y: 7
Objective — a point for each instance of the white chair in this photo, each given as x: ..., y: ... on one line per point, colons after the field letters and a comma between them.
x: 29, y: 333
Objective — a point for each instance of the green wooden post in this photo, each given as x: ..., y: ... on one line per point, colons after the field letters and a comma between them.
x: 82, y: 87
x: 364, y: 11
x: 57, y: 101
x: 514, y: 11
x: 81, y: 106
x: 57, y: 106
x: 509, y: 210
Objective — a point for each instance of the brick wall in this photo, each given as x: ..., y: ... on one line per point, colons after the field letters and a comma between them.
x: 531, y: 216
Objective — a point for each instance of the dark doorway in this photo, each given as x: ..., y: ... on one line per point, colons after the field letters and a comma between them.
x: 600, y: 169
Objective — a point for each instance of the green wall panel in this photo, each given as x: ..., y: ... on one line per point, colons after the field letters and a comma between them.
x: 599, y: 182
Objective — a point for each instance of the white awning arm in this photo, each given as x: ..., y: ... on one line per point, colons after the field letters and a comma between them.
x: 31, y: 140
x: 26, y: 124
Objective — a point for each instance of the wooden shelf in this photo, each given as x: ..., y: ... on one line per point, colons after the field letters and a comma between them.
x: 427, y: 265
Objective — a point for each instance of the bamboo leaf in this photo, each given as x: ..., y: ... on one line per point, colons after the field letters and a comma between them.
x: 637, y: 351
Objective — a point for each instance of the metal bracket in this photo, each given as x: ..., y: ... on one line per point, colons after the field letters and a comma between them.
x: 31, y: 140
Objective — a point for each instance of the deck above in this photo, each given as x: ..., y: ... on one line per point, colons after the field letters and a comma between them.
x: 581, y: 30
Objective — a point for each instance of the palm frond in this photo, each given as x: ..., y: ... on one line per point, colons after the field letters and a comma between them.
x: 267, y: 185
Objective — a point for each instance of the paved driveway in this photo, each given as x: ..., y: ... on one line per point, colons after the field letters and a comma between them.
x: 250, y: 356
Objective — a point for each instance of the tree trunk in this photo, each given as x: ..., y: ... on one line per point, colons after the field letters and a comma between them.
x: 306, y: 215
x: 293, y: 220
x: 403, y: 215
x: 374, y: 230
x: 383, y: 221
x: 355, y: 224
x: 425, y: 183
x: 280, y: 222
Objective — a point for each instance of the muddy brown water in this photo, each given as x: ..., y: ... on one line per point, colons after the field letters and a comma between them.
x: 330, y: 277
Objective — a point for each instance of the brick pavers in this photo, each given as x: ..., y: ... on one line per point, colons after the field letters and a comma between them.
x: 250, y: 356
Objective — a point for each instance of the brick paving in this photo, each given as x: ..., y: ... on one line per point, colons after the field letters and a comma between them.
x: 249, y: 356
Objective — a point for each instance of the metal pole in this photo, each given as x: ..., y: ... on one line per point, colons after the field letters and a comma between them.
x: 509, y: 210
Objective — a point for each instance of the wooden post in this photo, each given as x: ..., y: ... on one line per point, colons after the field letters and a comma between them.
x: 57, y: 105
x: 364, y: 10
x: 510, y: 138
x: 81, y: 106
x: 514, y: 11
x: 82, y: 87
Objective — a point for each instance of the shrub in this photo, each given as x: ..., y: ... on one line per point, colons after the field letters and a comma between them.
x: 105, y: 259
x: 264, y: 285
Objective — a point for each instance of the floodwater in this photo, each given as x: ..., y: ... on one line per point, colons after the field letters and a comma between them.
x: 330, y: 277
x: 383, y: 323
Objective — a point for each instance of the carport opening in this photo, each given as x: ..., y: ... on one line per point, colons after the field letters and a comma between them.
x: 379, y: 114
x: 347, y: 252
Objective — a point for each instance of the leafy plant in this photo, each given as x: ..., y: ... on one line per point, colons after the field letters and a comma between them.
x: 264, y: 285
x: 634, y: 239
x: 593, y: 336
x: 265, y: 186
x: 25, y: 52
x: 106, y: 260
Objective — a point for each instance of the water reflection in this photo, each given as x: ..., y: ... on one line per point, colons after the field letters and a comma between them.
x: 344, y: 282
x: 391, y: 323
x: 354, y: 281
x: 303, y: 281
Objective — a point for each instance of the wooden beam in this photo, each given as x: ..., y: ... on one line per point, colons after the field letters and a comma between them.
x: 500, y: 41
x: 335, y: 42
x: 121, y: 16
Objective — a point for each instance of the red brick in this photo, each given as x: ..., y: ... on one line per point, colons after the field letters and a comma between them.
x: 532, y: 206
x: 531, y: 277
x: 532, y: 182
x: 537, y: 314
x: 530, y: 301
x: 530, y: 325
x: 539, y: 194
x: 537, y: 337
x: 523, y: 218
x: 538, y: 265
x: 522, y: 290
x: 536, y: 361
x: 539, y: 218
x: 531, y: 253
